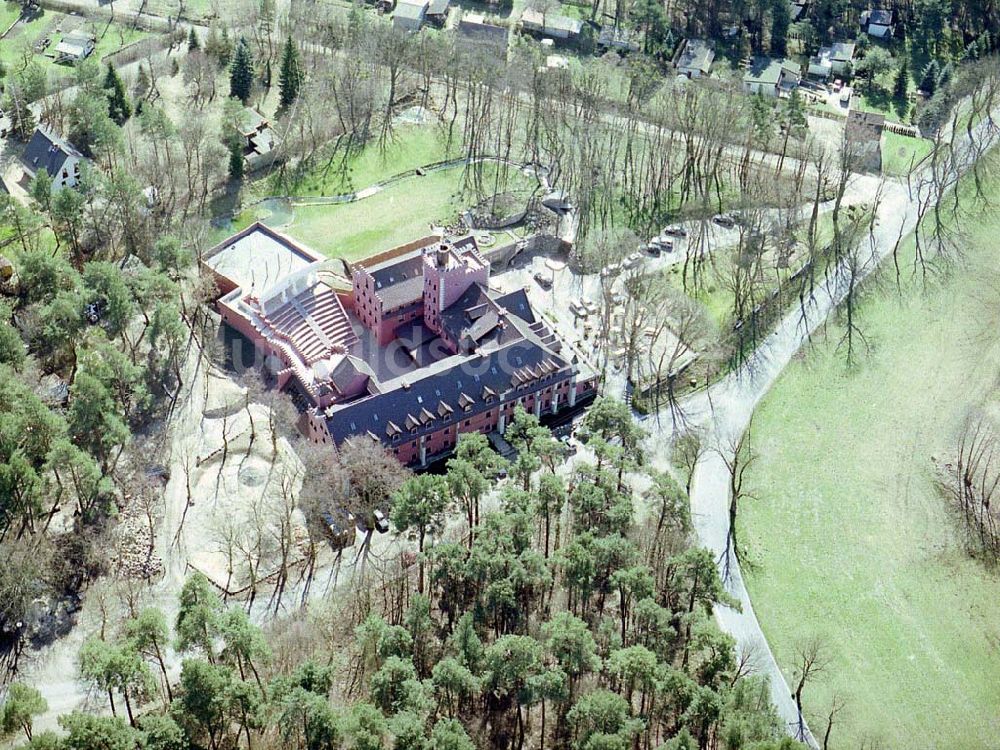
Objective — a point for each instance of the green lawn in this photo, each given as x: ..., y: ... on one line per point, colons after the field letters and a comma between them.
x: 398, y: 214
x: 22, y: 35
x: 900, y: 153
x: 9, y: 13
x: 44, y: 24
x: 412, y: 146
x: 848, y: 536
x: 113, y: 38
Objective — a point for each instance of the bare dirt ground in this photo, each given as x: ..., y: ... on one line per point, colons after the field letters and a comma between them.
x: 237, y: 508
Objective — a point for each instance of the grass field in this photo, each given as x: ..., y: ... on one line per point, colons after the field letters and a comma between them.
x: 899, y: 152
x: 848, y: 536
x: 9, y: 13
x: 412, y: 146
x: 398, y: 214
x: 110, y: 38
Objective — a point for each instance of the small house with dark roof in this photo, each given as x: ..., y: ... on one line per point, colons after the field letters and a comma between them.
x: 437, y: 12
x: 618, y: 38
x: 863, y: 140
x: 55, y: 155
x: 75, y: 46
x: 695, y: 58
x: 257, y: 137
x: 877, y: 23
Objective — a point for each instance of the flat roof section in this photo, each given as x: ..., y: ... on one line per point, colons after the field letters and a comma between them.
x: 258, y: 258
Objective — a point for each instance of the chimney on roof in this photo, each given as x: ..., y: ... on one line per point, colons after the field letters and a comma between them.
x: 442, y: 255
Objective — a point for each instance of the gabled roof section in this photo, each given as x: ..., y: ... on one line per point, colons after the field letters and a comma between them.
x: 462, y: 381
x: 768, y: 70
x: 696, y: 55
x: 48, y: 151
x: 516, y: 302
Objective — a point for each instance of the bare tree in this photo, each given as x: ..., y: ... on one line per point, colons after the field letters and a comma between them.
x: 738, y: 457
x: 972, y: 484
x: 688, y: 450
x: 811, y: 660
x: 836, y: 707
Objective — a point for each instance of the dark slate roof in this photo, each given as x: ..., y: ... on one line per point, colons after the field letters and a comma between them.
x: 516, y: 302
x: 347, y: 371
x: 476, y: 315
x: 463, y: 312
x: 408, y: 291
x: 445, y: 385
x: 398, y: 269
x: 880, y: 17
x: 696, y: 55
x: 48, y: 151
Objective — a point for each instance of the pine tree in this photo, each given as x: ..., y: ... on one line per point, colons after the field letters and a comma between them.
x: 291, y: 76
x: 224, y: 47
x: 119, y: 108
x: 929, y: 81
x: 142, y: 82
x: 902, y: 86
x: 241, y: 72
x: 780, y: 20
x: 193, y: 43
x: 235, y: 161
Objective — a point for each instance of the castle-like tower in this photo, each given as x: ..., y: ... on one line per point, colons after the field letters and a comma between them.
x: 448, y: 273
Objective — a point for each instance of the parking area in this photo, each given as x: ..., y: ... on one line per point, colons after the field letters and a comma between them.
x: 587, y: 309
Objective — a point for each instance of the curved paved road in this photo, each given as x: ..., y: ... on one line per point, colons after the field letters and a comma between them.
x: 724, y: 411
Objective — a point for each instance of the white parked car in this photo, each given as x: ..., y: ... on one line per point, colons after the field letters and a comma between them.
x: 662, y: 243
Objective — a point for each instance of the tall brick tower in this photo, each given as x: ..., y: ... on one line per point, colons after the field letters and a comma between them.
x: 448, y: 272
